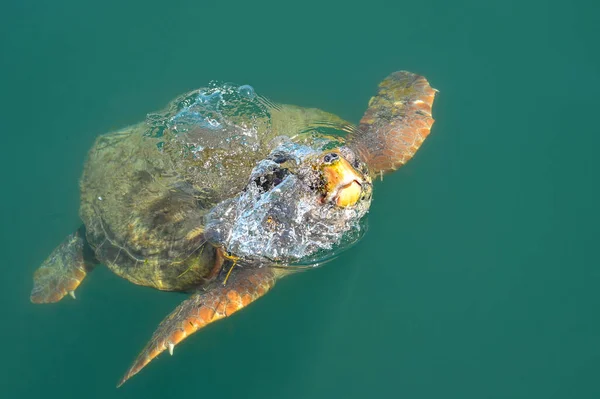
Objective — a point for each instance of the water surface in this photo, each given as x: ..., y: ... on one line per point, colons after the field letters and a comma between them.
x: 478, y: 277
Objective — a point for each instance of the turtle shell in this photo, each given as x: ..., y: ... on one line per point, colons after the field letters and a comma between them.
x: 146, y: 189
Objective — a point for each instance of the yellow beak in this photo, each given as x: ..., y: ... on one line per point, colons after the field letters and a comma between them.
x: 343, y: 184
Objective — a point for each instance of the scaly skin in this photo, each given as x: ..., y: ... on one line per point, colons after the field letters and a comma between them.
x: 243, y: 287
x: 396, y: 123
x: 61, y: 273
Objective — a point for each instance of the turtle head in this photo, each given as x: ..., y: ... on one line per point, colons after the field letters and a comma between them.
x: 301, y: 205
x: 342, y: 183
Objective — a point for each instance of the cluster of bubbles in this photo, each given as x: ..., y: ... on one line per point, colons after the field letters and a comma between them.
x: 278, y: 217
x: 209, y: 108
x: 218, y: 116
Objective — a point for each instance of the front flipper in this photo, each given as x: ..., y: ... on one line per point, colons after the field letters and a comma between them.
x: 396, y: 123
x: 62, y: 272
x: 204, y: 307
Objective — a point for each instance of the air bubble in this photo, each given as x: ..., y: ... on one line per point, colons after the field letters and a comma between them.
x: 247, y: 91
x: 212, y: 99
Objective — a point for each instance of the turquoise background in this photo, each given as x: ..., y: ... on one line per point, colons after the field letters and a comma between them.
x: 480, y: 272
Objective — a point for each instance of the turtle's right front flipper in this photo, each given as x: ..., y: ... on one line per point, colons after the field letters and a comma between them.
x: 63, y: 271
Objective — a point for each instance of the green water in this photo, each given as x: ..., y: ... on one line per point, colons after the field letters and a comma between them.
x: 479, y: 275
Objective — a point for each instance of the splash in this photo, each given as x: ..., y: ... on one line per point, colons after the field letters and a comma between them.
x: 221, y: 116
x: 279, y: 217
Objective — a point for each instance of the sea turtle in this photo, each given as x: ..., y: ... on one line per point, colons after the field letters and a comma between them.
x: 224, y: 192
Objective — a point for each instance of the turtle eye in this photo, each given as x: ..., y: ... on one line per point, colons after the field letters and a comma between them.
x: 330, y: 157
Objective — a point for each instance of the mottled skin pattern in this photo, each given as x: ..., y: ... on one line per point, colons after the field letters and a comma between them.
x: 396, y: 123
x: 62, y: 272
x: 243, y: 287
x: 143, y: 208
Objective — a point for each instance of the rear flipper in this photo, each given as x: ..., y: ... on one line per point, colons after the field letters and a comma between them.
x: 204, y: 307
x: 63, y: 271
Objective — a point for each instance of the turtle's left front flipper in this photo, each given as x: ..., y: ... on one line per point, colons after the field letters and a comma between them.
x: 396, y: 123
x: 204, y: 307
